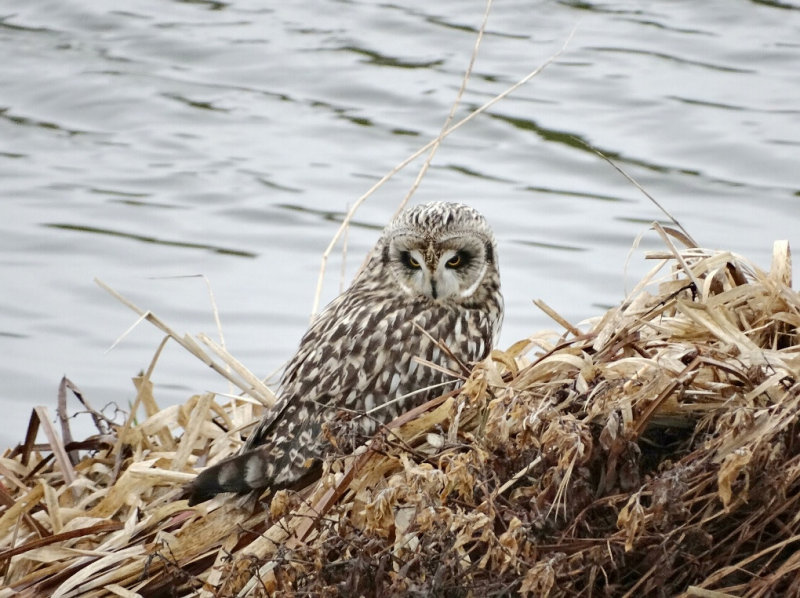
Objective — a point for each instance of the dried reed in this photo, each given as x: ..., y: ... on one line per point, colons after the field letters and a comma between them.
x: 654, y: 453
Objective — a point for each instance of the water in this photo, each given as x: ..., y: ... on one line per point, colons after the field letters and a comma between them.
x: 142, y: 143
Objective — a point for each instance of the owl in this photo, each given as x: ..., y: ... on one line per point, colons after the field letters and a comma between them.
x: 427, y: 301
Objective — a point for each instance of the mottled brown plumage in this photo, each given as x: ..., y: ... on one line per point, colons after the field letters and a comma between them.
x: 431, y: 277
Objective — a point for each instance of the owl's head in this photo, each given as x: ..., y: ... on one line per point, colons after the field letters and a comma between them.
x: 444, y: 251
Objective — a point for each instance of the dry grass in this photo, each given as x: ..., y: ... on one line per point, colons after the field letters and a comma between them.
x: 656, y: 453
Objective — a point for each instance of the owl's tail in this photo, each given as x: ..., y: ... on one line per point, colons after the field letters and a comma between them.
x: 252, y: 470
x: 230, y: 475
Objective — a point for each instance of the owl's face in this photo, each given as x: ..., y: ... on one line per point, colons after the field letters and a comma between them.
x: 441, y: 251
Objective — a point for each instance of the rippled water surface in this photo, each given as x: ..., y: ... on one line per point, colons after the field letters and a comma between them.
x: 146, y: 142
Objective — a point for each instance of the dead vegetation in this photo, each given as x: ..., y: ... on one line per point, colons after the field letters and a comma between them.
x: 656, y: 452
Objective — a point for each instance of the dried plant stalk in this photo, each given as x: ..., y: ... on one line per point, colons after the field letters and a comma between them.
x: 654, y: 452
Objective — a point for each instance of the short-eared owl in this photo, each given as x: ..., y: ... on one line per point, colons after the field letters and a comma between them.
x: 431, y: 281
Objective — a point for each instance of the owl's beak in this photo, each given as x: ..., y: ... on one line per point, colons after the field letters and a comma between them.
x: 434, y: 293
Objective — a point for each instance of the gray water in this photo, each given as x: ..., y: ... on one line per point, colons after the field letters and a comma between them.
x: 145, y: 142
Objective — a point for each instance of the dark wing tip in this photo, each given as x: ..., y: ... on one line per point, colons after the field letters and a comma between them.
x: 204, y: 487
x: 196, y: 495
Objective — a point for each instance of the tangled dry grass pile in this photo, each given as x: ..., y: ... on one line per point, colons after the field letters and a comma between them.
x: 654, y: 452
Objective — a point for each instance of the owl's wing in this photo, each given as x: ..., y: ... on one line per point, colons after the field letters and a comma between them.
x: 289, y: 390
x: 343, y: 363
x: 266, y: 425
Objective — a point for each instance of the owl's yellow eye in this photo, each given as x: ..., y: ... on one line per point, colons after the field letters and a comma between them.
x: 455, y: 261
x: 409, y: 261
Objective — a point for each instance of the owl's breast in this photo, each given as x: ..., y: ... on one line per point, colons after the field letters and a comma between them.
x: 404, y: 351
